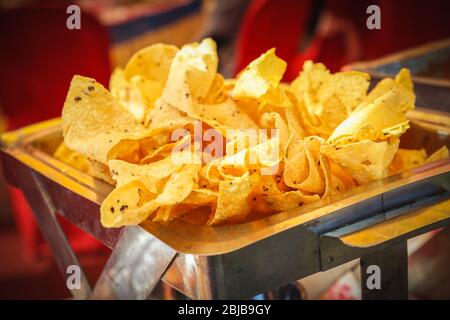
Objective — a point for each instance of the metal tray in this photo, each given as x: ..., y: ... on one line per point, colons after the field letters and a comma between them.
x: 236, y: 261
x: 430, y: 69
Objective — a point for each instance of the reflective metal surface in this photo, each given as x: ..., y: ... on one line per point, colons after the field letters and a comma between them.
x: 236, y: 261
x: 135, y: 267
x: 44, y: 213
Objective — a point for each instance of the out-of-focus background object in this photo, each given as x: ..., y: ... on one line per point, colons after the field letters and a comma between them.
x: 39, y: 56
x: 135, y: 24
x: 340, y: 35
x: 428, y: 266
x: 39, y: 59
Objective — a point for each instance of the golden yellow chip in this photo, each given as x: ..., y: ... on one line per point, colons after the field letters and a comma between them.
x: 401, y: 83
x: 263, y: 157
x: 232, y: 202
x: 439, y: 154
x: 267, y: 196
x: 273, y: 120
x: 339, y: 179
x: 80, y: 162
x: 385, y: 117
x: 137, y: 95
x: 406, y: 159
x: 122, y: 205
x: 94, y: 122
x: 166, y: 118
x: 152, y: 63
x: 260, y: 76
x: 404, y: 78
x: 325, y: 99
x: 296, y: 128
x: 223, y: 116
x: 133, y: 203
x: 123, y: 172
x: 217, y: 93
x: 303, y: 166
x: 141, y: 83
x: 201, y: 197
x: 72, y: 158
x: 291, y: 200
x: 260, y: 80
x: 365, y: 160
x: 100, y: 171
x: 191, y: 75
x: 166, y: 150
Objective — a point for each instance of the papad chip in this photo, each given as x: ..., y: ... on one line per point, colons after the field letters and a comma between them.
x: 166, y: 118
x: 302, y: 168
x: 268, y: 193
x: 385, y: 117
x: 223, y: 116
x: 439, y: 154
x: 273, y: 120
x: 402, y: 83
x: 100, y: 171
x: 137, y: 95
x: 260, y: 80
x: 409, y: 158
x: 77, y: 160
x: 264, y: 157
x: 291, y: 200
x: 133, y: 203
x: 232, y: 203
x: 191, y: 75
x: 152, y: 63
x: 296, y: 128
x: 94, y: 122
x: 121, y: 206
x: 406, y: 159
x: 123, y: 172
x: 325, y: 99
x: 365, y: 160
x: 72, y: 158
x: 170, y: 149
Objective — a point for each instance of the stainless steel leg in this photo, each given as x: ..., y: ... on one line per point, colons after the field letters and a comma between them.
x: 392, y: 264
x: 135, y: 266
x: 44, y: 213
